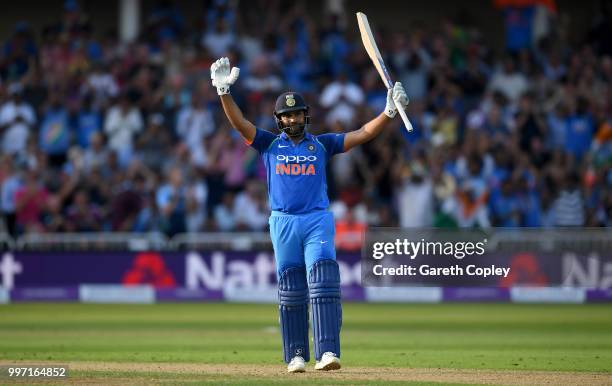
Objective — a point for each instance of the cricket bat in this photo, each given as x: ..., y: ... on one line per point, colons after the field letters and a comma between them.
x: 370, y: 45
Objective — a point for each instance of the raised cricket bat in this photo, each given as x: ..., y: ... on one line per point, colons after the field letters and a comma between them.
x: 370, y: 45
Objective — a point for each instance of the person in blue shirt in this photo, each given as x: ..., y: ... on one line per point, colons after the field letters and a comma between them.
x: 301, y: 227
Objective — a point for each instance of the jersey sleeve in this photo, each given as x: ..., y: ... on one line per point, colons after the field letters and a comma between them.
x: 333, y: 143
x: 262, y: 140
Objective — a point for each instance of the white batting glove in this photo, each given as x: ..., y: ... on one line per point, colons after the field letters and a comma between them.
x: 222, y: 77
x: 395, y: 94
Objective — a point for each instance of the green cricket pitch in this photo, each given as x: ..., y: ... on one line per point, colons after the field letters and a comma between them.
x: 381, y: 343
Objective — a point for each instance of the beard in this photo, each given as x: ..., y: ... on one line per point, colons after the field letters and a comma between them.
x: 295, y: 130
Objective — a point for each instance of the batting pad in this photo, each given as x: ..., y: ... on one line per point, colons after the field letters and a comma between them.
x: 293, y: 309
x: 324, y: 282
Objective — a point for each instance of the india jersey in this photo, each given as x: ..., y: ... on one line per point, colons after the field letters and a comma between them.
x: 296, y: 172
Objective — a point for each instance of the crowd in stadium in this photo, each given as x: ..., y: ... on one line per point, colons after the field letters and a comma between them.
x: 96, y: 135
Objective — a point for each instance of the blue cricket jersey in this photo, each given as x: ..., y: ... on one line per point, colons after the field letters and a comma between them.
x: 296, y: 172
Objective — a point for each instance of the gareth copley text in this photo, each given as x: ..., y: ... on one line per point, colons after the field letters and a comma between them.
x: 413, y: 249
x: 455, y: 270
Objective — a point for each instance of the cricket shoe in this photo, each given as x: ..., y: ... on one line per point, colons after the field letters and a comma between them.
x: 297, y: 365
x: 329, y: 361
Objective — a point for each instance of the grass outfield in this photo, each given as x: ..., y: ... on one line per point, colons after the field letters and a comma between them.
x: 240, y: 343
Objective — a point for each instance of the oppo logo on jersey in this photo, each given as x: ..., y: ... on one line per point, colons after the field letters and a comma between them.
x: 296, y: 158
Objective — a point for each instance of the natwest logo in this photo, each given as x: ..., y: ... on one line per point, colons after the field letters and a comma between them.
x: 295, y: 158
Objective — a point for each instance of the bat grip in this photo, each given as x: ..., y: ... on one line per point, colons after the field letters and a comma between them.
x: 402, y: 113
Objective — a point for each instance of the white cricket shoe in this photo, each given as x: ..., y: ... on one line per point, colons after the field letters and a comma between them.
x: 329, y: 361
x: 297, y: 365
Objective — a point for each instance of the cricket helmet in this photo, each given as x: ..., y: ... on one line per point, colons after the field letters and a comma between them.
x: 289, y: 102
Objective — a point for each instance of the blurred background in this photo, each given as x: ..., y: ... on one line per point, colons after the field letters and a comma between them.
x: 109, y: 125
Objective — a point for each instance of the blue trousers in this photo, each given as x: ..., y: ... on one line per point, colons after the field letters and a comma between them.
x: 302, y: 239
x: 307, y: 272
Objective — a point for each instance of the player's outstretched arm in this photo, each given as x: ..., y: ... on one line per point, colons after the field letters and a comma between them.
x: 376, y: 125
x: 222, y: 79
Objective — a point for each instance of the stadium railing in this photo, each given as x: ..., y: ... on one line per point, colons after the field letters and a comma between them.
x: 237, y: 241
x: 549, y: 239
x: 92, y: 241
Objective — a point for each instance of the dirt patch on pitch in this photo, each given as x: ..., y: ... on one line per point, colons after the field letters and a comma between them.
x: 363, y: 374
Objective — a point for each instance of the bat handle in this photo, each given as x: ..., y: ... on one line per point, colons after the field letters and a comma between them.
x: 402, y: 113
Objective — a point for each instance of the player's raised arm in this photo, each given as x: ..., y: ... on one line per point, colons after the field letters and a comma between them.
x: 376, y: 125
x: 222, y: 79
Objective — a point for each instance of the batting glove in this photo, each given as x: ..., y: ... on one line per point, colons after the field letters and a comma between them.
x: 395, y: 94
x: 222, y: 77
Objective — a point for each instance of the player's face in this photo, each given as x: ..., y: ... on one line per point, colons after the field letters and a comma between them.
x: 293, y: 118
x: 294, y: 121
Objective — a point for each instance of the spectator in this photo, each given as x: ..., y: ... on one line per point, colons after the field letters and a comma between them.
x: 602, y: 145
x: 225, y: 213
x: 82, y: 215
x: 101, y: 85
x: 557, y: 125
x: 579, y: 129
x: 415, y: 197
x: 547, y: 201
x: 152, y: 142
x: 495, y: 125
x: 55, y: 135
x: 9, y: 185
x: 19, y: 52
x: 350, y: 232
x: 342, y: 99
x: 176, y: 95
x: 99, y: 191
x: 30, y: 201
x: 171, y: 199
x: 529, y: 203
x: 123, y: 121
x: 375, y: 97
x: 54, y: 218
x: 554, y: 69
x: 233, y: 160
x: 473, y: 79
x: 472, y: 197
x: 96, y: 155
x: 219, y: 40
x: 504, y: 206
x: 127, y: 204
x: 416, y: 69
x: 252, y: 210
x: 511, y: 83
x: 196, y: 195
x: 88, y: 122
x: 75, y: 164
x: 262, y: 78
x: 568, y: 207
x: 17, y: 118
x: 298, y: 66
x: 530, y: 126
x: 445, y: 127
x: 194, y: 124
x: 35, y: 90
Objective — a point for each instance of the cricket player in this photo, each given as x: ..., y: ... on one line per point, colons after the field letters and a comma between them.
x: 301, y: 227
